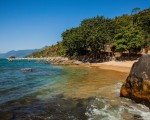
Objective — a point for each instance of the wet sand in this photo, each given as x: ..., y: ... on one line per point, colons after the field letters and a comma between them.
x: 89, y: 85
x: 99, y: 75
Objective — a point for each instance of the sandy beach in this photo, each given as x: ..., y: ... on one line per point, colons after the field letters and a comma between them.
x: 120, y: 66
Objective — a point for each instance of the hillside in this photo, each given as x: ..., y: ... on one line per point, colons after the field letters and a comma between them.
x: 126, y: 34
x: 51, y: 51
x: 19, y: 53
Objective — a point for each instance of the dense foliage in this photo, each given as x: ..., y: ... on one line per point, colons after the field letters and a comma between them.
x: 51, y: 51
x: 126, y: 33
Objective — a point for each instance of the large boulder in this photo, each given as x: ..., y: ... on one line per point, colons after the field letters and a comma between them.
x: 137, y: 85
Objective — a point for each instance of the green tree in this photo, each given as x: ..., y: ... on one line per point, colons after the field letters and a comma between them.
x: 130, y: 39
x: 135, y: 10
x: 99, y: 31
x: 144, y: 24
x: 73, y: 41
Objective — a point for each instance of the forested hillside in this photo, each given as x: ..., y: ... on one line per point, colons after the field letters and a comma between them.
x: 51, y: 51
x: 93, y: 37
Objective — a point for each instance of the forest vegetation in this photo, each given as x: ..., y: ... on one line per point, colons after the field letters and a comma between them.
x: 99, y: 37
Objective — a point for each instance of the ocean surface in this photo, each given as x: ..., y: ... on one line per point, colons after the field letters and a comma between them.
x: 51, y: 92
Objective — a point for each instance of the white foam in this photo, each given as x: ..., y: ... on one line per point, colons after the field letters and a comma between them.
x: 145, y: 114
x: 143, y: 106
x: 117, y: 91
x: 120, y: 83
x: 106, y: 112
x: 103, y: 109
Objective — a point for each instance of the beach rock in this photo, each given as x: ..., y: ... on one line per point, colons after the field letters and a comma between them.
x: 137, y: 85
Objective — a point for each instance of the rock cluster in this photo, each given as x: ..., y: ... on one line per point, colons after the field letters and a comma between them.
x: 62, y: 61
x: 137, y: 85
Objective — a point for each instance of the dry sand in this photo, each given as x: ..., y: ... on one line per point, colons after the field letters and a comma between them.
x: 121, y: 66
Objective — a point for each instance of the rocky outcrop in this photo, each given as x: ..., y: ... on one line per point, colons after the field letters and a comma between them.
x: 137, y: 85
x: 62, y: 61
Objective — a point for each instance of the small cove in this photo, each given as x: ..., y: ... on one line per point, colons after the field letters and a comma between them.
x: 64, y: 93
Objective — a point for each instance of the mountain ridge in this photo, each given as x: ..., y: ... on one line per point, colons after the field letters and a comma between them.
x: 18, y: 53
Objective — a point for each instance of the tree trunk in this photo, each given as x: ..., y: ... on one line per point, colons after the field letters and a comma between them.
x: 129, y: 54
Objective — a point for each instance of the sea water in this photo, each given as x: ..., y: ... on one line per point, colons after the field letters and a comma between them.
x: 51, y: 92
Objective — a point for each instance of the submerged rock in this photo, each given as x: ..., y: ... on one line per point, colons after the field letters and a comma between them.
x: 56, y: 108
x: 6, y: 115
x: 27, y: 69
x: 137, y: 85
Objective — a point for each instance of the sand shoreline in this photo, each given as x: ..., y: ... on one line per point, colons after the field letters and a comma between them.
x: 120, y: 66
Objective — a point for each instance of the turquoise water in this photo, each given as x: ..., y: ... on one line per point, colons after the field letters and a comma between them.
x: 16, y: 83
x: 35, y: 94
x: 50, y: 92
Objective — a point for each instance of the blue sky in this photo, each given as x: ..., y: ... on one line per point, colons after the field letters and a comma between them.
x: 30, y: 24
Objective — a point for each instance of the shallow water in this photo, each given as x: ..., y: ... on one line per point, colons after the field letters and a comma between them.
x: 63, y: 93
